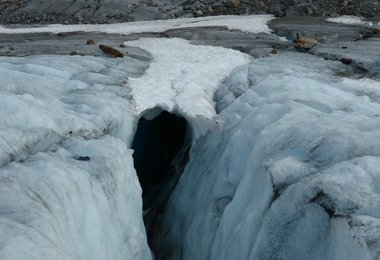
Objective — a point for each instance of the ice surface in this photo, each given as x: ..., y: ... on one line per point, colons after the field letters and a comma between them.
x: 349, y: 19
x: 292, y: 171
x: 183, y: 78
x: 249, y: 23
x: 67, y: 183
x: 56, y: 207
x: 66, y: 123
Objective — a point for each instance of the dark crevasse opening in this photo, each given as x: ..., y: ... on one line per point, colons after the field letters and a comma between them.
x: 161, y: 151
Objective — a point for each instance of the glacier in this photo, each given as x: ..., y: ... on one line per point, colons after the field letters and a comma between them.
x: 68, y: 186
x: 291, y: 173
x: 284, y: 159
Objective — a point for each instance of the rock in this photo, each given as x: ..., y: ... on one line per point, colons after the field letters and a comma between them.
x: 291, y: 12
x: 367, y: 35
x: 142, y: 13
x: 257, y: 5
x: 189, y: 15
x: 232, y: 3
x: 346, y: 61
x: 111, y: 52
x: 178, y: 9
x: 81, y: 158
x: 90, y: 42
x: 63, y: 34
x: 216, y: 4
x: 276, y: 10
x: 112, y: 11
x: 305, y: 42
x: 344, y: 4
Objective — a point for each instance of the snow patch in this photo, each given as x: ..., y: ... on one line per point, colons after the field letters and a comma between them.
x: 349, y: 19
x: 182, y: 78
x: 249, y: 23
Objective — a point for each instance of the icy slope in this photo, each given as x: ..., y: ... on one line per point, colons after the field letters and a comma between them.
x: 291, y: 173
x: 67, y: 183
x: 67, y: 180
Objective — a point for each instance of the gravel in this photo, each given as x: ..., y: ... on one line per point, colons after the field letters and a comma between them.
x: 111, y: 11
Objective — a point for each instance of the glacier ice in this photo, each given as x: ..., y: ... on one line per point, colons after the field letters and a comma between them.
x: 54, y: 110
x: 76, y: 116
x: 55, y: 207
x: 290, y: 173
x: 183, y: 79
x: 289, y: 170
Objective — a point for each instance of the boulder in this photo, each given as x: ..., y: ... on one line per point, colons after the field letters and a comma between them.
x: 305, y: 42
x: 111, y: 52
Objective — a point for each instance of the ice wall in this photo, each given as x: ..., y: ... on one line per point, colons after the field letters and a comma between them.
x: 292, y: 171
x: 68, y: 189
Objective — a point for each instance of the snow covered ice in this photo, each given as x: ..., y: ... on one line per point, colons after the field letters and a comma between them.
x: 188, y: 87
x: 248, y: 23
x: 349, y: 19
x: 284, y: 164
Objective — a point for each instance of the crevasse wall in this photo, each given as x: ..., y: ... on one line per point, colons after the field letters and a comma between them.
x: 68, y: 188
x: 290, y: 173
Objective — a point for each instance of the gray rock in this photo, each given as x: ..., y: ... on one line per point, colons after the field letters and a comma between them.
x: 276, y: 9
x: 178, y: 9
x: 188, y: 15
x: 143, y: 13
x: 217, y: 3
x: 232, y: 3
x: 110, y: 11
x: 197, y: 6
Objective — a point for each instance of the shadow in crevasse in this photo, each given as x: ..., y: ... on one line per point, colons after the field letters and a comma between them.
x: 161, y: 151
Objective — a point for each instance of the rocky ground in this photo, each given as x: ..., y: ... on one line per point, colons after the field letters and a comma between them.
x: 110, y: 11
x: 354, y: 45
